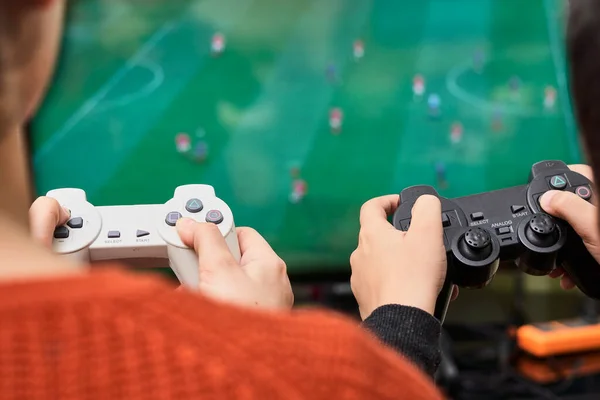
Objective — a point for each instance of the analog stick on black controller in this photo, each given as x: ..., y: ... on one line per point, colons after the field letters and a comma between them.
x: 476, y: 245
x: 476, y: 253
x: 541, y: 230
x: 542, y: 237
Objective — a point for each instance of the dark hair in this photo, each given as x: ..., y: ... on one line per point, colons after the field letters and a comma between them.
x: 583, y: 52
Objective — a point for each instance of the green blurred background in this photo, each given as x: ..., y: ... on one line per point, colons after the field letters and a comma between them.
x: 133, y: 74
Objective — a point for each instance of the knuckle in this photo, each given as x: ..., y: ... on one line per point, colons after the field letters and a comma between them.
x: 279, y: 266
x: 273, y: 267
x: 590, y: 238
x: 366, y: 205
x: 362, y: 208
x: 354, y: 258
x: 363, y: 236
x: 245, y: 231
x: 354, y: 286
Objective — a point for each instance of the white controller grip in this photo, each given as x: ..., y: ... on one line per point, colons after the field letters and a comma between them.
x: 233, y: 244
x: 184, y: 262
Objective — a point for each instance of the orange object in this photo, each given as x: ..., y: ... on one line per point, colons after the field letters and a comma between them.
x: 114, y: 335
x: 558, y: 369
x: 559, y: 337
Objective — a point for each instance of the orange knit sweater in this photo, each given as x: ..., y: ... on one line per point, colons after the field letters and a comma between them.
x: 112, y: 335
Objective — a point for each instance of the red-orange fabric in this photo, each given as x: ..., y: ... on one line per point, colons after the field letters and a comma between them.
x: 115, y: 335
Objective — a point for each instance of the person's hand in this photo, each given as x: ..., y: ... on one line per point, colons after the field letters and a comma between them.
x: 394, y: 267
x: 258, y: 280
x: 45, y: 214
x: 580, y: 214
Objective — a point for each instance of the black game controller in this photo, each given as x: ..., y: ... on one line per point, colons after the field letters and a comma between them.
x: 508, y: 225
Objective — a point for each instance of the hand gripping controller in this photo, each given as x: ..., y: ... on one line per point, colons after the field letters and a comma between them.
x: 141, y: 231
x: 508, y: 225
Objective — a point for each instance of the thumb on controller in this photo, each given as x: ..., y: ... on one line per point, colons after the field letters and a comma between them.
x: 580, y: 214
x: 426, y: 219
x: 208, y: 242
x: 45, y: 214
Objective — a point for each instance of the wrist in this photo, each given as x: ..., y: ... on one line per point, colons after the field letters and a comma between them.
x: 423, y: 298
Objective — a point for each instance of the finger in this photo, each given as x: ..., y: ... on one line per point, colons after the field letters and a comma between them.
x: 556, y: 273
x: 258, y: 258
x: 580, y: 214
x: 375, y: 212
x: 567, y: 283
x: 584, y: 170
x: 454, y: 293
x: 45, y: 214
x: 426, y: 217
x: 208, y: 242
x: 253, y: 246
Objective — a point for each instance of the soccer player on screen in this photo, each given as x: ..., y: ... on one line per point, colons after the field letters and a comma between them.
x: 497, y: 119
x: 514, y: 85
x: 217, y: 44
x: 358, y: 49
x: 418, y: 86
x: 331, y: 73
x: 456, y: 132
x: 183, y: 142
x: 440, y: 174
x: 299, y: 186
x: 433, y: 104
x: 200, y: 151
x: 549, y: 98
x: 336, y: 117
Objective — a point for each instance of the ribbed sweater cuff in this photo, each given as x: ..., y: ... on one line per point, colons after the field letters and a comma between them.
x: 411, y: 331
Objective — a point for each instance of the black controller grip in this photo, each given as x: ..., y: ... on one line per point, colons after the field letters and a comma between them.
x: 443, y: 300
x: 581, y: 266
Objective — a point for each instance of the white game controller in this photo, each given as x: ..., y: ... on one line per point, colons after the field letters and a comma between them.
x: 141, y: 231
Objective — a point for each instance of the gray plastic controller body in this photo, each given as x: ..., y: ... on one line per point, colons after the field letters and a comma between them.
x: 141, y: 231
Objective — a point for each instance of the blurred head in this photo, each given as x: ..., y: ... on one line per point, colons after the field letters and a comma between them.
x: 30, y: 32
x: 29, y: 36
x: 583, y: 49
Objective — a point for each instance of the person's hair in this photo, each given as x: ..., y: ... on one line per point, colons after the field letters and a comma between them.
x: 29, y: 37
x: 583, y: 53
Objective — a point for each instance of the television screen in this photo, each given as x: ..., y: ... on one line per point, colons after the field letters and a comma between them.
x: 299, y: 111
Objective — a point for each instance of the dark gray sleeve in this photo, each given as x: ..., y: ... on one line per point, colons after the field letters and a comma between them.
x: 412, y: 332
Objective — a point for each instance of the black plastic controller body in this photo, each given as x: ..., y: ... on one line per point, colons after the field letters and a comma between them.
x: 482, y: 230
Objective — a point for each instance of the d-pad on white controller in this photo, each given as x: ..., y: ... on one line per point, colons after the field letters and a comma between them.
x: 142, y: 231
x: 82, y: 229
